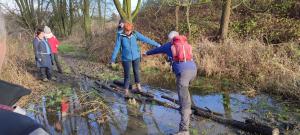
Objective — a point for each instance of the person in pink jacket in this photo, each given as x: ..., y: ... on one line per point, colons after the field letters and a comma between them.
x: 54, y: 43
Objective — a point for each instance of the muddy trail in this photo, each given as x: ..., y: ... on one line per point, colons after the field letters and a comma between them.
x: 79, y: 107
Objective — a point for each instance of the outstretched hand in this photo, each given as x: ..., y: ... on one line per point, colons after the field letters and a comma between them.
x: 112, y: 65
x: 144, y: 54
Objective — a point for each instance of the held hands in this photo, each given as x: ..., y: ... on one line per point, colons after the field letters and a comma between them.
x: 144, y: 54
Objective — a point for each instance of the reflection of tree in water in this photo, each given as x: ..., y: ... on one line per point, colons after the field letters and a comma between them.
x: 226, y: 105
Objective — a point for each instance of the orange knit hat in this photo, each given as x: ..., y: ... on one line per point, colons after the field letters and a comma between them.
x: 128, y: 26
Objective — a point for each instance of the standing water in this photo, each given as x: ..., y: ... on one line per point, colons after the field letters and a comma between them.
x: 153, y: 119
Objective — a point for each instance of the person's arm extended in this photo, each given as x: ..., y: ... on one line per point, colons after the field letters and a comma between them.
x: 116, y: 49
x: 36, y: 43
x: 147, y: 40
x: 158, y: 50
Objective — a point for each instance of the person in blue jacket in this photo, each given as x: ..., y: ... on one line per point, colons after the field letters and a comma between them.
x: 185, y: 72
x: 130, y: 51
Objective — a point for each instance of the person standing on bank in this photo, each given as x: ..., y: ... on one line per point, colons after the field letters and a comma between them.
x: 127, y: 42
x: 42, y: 53
x: 54, y: 43
x: 179, y: 53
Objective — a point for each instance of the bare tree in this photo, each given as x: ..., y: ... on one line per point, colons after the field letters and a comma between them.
x: 31, y: 17
x: 87, y: 22
x: 125, y: 11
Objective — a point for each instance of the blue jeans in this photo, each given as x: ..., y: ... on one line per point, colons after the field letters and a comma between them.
x: 127, y: 66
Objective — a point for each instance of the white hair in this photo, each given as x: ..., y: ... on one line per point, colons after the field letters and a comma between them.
x: 47, y: 30
x: 172, y: 34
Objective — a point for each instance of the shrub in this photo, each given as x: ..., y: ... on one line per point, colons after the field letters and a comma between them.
x: 253, y: 64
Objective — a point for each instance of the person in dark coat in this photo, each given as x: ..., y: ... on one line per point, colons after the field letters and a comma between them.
x: 42, y: 53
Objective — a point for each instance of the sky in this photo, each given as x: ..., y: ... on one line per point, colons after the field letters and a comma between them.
x: 12, y: 4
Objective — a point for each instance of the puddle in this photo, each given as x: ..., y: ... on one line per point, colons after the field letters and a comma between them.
x: 152, y: 119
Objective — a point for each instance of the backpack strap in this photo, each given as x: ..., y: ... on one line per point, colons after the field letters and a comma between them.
x: 184, y: 55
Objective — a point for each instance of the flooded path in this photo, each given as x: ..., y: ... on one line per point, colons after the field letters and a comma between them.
x: 152, y: 119
x: 62, y: 112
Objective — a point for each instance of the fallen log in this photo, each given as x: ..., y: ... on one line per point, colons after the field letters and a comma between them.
x: 248, y: 125
x: 193, y: 107
x: 120, y: 91
x: 119, y: 83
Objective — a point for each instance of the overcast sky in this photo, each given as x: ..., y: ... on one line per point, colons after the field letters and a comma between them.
x: 11, y: 3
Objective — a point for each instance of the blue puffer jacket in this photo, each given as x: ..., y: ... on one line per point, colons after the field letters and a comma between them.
x: 129, y: 46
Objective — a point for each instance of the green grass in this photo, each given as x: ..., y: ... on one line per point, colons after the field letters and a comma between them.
x: 66, y: 48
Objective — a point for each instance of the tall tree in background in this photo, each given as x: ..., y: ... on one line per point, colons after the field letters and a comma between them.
x: 187, y: 4
x: 104, y: 15
x: 225, y: 19
x: 125, y: 11
x: 87, y: 22
x: 71, y: 14
x: 177, y: 17
x: 99, y: 2
x: 102, y: 4
x: 31, y: 17
x: 178, y: 4
x: 62, y: 17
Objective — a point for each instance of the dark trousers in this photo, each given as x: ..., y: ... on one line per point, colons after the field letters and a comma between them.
x: 127, y: 67
x: 182, y: 83
x: 46, y: 72
x: 55, y: 60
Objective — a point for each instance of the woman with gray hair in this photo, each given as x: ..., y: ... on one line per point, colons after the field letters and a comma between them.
x: 185, y: 71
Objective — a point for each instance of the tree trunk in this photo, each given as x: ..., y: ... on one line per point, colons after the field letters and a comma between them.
x: 99, y: 11
x: 225, y: 19
x: 125, y: 11
x: 71, y: 11
x: 87, y: 22
x: 177, y: 17
x: 104, y: 15
x: 188, y: 20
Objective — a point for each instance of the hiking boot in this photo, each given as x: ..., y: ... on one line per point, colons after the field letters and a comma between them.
x: 45, y: 80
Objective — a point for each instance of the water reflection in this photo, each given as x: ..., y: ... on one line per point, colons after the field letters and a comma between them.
x: 145, y: 119
x: 226, y: 105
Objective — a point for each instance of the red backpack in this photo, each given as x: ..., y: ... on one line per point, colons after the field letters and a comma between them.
x: 181, y: 49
